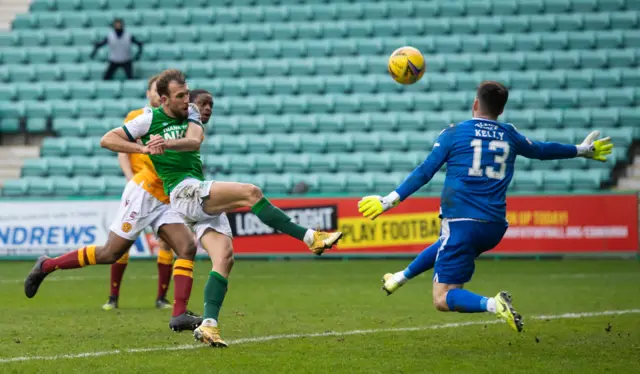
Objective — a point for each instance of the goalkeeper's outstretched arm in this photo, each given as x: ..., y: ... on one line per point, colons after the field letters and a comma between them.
x: 373, y: 206
x: 591, y: 147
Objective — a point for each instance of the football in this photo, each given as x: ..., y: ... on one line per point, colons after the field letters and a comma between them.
x: 406, y: 65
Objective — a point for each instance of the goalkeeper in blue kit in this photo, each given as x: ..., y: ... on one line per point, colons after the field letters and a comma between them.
x: 480, y: 155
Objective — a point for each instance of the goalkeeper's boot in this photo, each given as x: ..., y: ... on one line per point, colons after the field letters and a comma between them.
x: 111, y: 304
x: 323, y: 241
x: 505, y: 311
x: 35, y: 278
x: 389, y: 285
x: 163, y: 303
x: 209, y: 334
x: 187, y: 321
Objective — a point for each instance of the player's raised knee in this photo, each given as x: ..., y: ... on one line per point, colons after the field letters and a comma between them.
x: 252, y: 193
x: 440, y: 302
x: 186, y: 250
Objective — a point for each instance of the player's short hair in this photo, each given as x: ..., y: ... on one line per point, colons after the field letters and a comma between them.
x: 152, y: 80
x: 492, y: 97
x: 193, y: 94
x: 166, y: 77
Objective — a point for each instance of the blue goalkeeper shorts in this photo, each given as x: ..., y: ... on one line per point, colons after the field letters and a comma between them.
x: 462, y: 240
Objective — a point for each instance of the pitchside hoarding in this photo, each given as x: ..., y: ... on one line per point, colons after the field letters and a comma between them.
x: 537, y: 225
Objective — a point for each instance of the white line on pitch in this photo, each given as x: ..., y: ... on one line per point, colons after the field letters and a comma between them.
x: 312, y: 335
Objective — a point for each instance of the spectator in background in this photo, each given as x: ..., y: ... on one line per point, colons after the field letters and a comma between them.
x: 120, y: 55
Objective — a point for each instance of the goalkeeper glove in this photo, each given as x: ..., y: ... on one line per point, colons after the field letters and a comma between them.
x: 595, y: 149
x: 373, y: 206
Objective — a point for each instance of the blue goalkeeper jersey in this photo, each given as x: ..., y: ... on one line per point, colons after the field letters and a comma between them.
x: 480, y: 156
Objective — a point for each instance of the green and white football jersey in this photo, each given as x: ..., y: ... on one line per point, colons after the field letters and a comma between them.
x: 172, y: 167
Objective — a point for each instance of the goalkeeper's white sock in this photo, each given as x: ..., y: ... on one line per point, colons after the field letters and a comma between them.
x: 491, y: 305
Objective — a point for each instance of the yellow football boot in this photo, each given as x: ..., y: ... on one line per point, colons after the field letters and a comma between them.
x: 209, y: 335
x: 505, y: 311
x: 323, y: 241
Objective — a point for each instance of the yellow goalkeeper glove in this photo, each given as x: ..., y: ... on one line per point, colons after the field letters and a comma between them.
x: 373, y: 206
x: 595, y: 149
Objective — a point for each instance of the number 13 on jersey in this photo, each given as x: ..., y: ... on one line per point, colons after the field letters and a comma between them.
x: 499, y: 159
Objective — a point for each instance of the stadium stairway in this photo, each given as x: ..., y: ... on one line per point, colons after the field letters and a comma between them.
x: 631, y: 181
x: 13, y: 159
x: 8, y: 11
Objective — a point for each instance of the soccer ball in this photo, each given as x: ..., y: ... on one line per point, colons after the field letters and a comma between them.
x: 406, y: 65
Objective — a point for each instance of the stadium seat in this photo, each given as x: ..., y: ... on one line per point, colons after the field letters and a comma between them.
x: 15, y: 188
x: 91, y: 186
x: 557, y: 181
x: 114, y: 186
x: 277, y: 184
x: 37, y: 167
x: 53, y: 147
x: 79, y: 146
x: 40, y: 186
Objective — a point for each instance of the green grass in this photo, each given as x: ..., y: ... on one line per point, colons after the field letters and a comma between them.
x: 303, y: 297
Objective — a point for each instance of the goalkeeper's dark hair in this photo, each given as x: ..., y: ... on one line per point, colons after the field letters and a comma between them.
x: 492, y: 97
x: 166, y: 77
x: 193, y: 94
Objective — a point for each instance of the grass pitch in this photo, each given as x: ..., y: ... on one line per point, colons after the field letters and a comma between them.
x: 273, y: 309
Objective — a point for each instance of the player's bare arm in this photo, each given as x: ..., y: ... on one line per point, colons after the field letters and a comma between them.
x: 125, y: 165
x: 116, y: 140
x: 191, y: 141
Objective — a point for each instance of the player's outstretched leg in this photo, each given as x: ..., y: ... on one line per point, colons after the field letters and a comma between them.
x: 425, y: 261
x: 451, y: 297
x: 165, y: 267
x: 220, y: 251
x: 224, y: 197
x: 180, y: 238
x: 109, y: 253
x: 117, y: 272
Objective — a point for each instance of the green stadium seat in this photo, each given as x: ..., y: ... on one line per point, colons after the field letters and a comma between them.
x: 30, y: 91
x: 85, y: 166
x: 30, y: 38
x: 36, y: 124
x: 286, y: 143
x: 558, y: 181
x: 420, y: 141
x: 332, y: 183
x: 323, y: 162
x: 53, y: 147
x: 566, y: 136
x: 359, y: 183
x: 408, y: 161
x: 266, y: 163
x: 15, y: 188
x: 297, y: 164
x: 622, y: 136
x: 68, y: 127
x: 217, y: 163
x: 562, y: 99
x: 233, y: 144
x: 14, y: 56
x: 91, y: 186
x: 109, y: 165
x: 386, y: 181
x: 76, y: 20
x: 337, y: 144
x: 22, y: 22
x: 65, y: 187
x: 51, y: 20
x: 79, y: 146
x: 330, y: 124
x: 8, y: 93
x: 624, y: 20
x: 114, y: 186
x: 243, y: 163
x: 9, y: 125
x: 620, y: 97
x: 39, y: 186
x: 586, y: 180
x: 577, y: 163
x: 522, y: 163
x: 277, y: 184
x: 37, y: 167
x: 548, y: 118
x: 527, y: 182
x: 60, y: 166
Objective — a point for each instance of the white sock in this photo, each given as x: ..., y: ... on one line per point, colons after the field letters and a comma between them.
x: 308, y: 237
x: 491, y: 305
x: 400, y: 278
x: 210, y: 322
